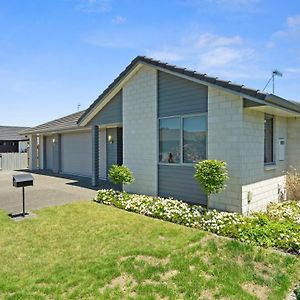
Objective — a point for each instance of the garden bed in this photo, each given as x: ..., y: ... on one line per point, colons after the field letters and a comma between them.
x: 278, y: 227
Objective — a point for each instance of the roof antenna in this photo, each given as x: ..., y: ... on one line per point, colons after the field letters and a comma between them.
x: 78, y: 106
x: 274, y: 73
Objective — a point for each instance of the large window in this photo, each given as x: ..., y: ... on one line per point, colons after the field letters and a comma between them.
x: 182, y: 139
x: 269, y: 139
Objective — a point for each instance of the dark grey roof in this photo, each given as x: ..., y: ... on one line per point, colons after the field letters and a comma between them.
x: 66, y: 122
x: 11, y: 133
x: 194, y: 74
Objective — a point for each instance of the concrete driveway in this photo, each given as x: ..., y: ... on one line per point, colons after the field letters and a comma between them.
x: 47, y: 191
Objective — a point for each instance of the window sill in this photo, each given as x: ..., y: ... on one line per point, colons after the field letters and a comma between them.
x: 269, y: 167
x: 177, y: 164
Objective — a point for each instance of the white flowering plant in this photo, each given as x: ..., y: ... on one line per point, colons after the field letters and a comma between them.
x: 278, y: 227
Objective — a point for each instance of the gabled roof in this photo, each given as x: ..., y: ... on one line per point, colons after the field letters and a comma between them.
x: 230, y: 86
x: 67, y: 122
x: 11, y: 133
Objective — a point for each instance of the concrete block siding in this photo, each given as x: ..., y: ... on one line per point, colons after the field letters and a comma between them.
x: 236, y: 135
x: 262, y: 181
x: 225, y: 116
x: 293, y: 143
x: 140, y: 130
x: 263, y: 193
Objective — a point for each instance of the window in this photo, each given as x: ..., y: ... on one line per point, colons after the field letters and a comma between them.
x: 169, y: 140
x: 194, y: 139
x: 269, y: 139
x: 182, y: 139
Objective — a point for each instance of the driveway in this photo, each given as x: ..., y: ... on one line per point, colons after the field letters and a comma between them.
x: 46, y: 191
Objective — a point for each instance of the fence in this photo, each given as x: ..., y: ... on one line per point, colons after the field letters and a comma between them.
x: 13, y: 161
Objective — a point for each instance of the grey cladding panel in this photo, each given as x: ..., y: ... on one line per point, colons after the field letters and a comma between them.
x: 112, y: 148
x: 177, y: 96
x: 178, y: 182
x: 110, y: 113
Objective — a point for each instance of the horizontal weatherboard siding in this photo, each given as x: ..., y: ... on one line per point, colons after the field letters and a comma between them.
x: 111, y: 113
x: 178, y: 96
x: 178, y: 182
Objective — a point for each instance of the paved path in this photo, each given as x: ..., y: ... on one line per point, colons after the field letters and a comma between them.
x: 47, y: 191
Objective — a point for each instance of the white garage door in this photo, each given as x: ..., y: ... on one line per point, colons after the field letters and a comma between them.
x: 49, y: 153
x: 76, y: 153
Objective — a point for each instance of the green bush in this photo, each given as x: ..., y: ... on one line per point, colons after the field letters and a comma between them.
x: 278, y: 227
x: 120, y: 175
x: 211, y: 175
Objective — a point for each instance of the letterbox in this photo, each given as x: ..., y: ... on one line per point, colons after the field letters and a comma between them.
x: 22, y: 180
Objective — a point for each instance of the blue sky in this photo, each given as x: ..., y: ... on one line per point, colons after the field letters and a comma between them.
x: 56, y: 54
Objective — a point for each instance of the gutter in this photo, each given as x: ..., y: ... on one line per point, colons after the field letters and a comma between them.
x: 57, y: 130
x: 282, y: 103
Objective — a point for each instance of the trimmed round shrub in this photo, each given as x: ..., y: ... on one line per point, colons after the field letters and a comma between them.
x: 212, y: 175
x: 120, y: 175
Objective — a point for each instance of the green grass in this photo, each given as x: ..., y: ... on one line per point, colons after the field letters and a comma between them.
x: 89, y: 251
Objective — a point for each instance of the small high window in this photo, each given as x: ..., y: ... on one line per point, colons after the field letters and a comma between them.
x: 269, y: 139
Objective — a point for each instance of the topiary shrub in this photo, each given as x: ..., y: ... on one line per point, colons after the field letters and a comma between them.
x: 212, y: 176
x: 120, y: 175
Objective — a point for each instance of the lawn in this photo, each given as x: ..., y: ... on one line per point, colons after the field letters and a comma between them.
x: 89, y: 251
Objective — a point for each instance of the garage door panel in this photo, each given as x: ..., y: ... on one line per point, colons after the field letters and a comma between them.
x: 76, y: 153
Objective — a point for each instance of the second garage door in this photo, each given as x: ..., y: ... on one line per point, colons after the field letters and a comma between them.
x: 76, y: 153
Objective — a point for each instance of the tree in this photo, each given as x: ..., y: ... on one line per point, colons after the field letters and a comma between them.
x: 212, y: 176
x: 120, y: 174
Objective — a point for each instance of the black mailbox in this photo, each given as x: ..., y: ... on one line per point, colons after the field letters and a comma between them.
x: 22, y: 180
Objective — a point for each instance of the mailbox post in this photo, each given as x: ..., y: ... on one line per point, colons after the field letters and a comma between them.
x: 22, y: 180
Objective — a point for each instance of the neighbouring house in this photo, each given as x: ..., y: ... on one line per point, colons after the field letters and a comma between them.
x: 11, y: 140
x: 159, y: 119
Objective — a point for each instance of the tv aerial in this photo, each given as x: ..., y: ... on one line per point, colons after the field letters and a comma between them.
x: 274, y: 73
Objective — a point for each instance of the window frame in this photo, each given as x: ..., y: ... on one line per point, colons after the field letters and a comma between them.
x: 181, y: 117
x: 273, y: 162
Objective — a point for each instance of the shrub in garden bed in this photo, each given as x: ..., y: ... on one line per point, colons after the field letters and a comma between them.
x: 278, y: 227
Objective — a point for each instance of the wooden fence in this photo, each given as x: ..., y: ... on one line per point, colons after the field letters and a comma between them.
x: 13, y: 161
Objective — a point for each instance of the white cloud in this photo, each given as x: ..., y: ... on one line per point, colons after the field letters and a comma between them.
x: 94, y: 6
x: 291, y: 28
x: 293, y: 22
x: 118, y: 20
x: 239, y: 3
x: 226, y: 56
x: 233, y: 5
x: 292, y: 70
x: 165, y: 55
x: 213, y: 40
x: 206, y: 52
x: 209, y: 49
x: 221, y: 56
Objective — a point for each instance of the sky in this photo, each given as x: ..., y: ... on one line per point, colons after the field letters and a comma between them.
x: 57, y: 54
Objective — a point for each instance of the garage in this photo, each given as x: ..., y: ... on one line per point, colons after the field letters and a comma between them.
x: 76, y: 153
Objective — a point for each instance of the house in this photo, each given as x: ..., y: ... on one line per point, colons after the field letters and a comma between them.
x: 159, y: 119
x: 11, y: 140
